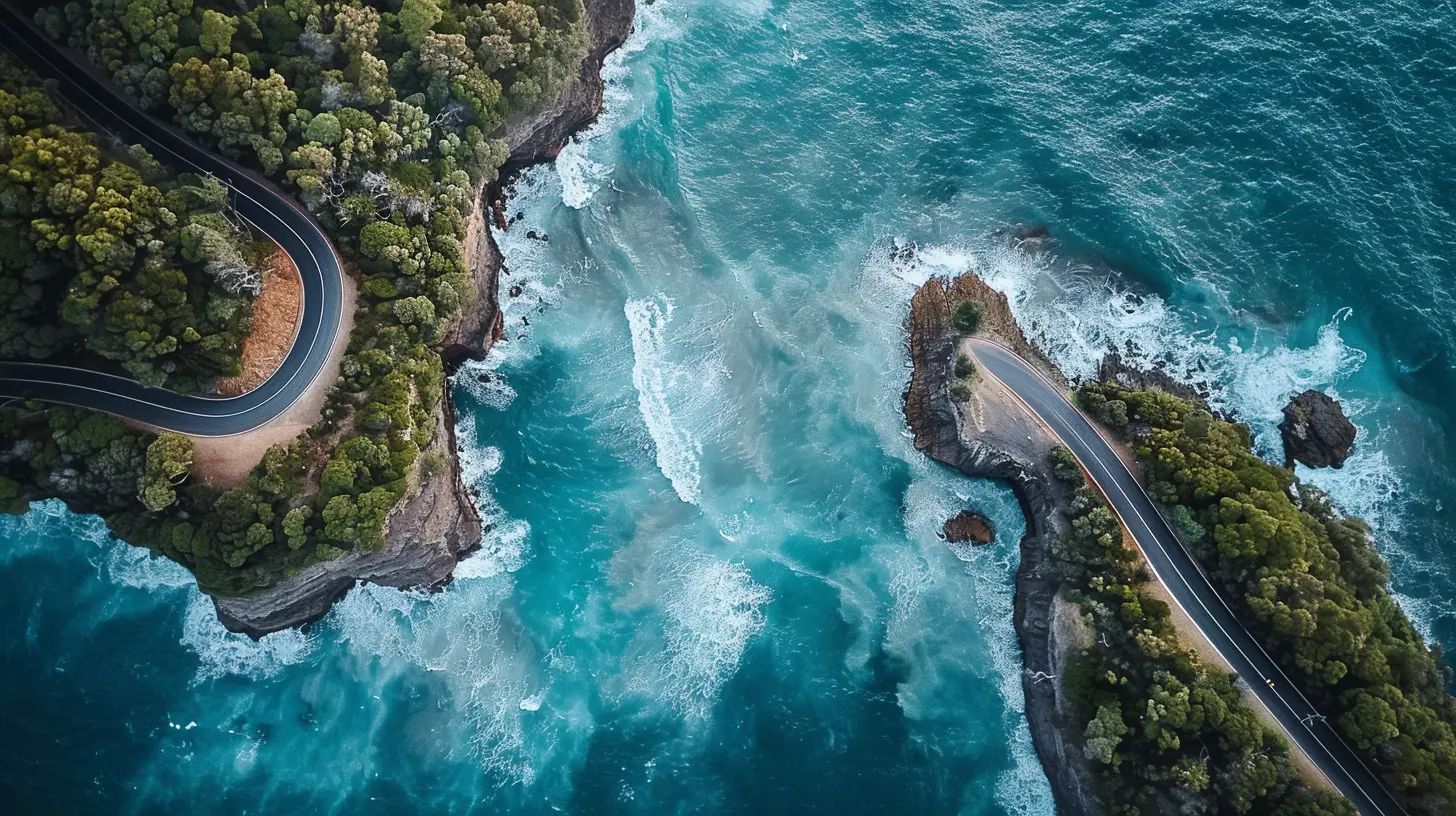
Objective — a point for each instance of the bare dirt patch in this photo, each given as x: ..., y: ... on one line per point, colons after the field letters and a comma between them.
x: 226, y: 461
x: 275, y: 324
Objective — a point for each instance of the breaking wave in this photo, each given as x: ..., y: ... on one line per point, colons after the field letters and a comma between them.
x: 678, y: 450
x: 713, y: 609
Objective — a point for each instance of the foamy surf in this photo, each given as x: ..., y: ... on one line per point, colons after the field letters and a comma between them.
x: 714, y: 608
x: 677, y: 449
x: 221, y: 653
x: 580, y: 175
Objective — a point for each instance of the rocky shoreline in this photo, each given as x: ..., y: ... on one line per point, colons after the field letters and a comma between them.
x: 429, y: 532
x: 987, y: 438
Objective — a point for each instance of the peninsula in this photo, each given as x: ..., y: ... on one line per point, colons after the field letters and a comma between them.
x: 365, y: 142
x: 1127, y: 608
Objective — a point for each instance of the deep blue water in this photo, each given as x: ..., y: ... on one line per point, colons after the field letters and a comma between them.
x: 713, y: 582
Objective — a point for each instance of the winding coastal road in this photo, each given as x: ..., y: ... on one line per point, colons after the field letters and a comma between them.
x: 255, y: 199
x: 1190, y: 588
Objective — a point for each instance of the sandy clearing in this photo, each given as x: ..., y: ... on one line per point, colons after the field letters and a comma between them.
x: 276, y: 313
x: 226, y: 461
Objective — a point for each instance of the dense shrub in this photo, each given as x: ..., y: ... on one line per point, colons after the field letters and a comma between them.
x: 1309, y: 583
x: 110, y: 253
x: 967, y: 317
x: 1162, y: 731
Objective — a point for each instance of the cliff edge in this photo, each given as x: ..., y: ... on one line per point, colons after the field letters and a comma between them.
x: 986, y: 436
x: 437, y: 524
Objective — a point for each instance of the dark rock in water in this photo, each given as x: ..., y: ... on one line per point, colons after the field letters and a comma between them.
x: 971, y: 526
x: 538, y: 236
x: 516, y: 290
x: 1033, y: 234
x: 1316, y: 431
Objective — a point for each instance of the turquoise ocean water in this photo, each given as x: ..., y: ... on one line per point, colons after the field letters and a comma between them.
x: 713, y: 582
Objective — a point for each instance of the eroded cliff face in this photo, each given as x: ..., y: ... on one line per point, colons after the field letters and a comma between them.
x: 993, y: 436
x: 437, y: 523
x: 427, y: 535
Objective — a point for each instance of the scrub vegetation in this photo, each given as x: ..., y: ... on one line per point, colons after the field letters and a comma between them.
x: 1307, y: 582
x: 108, y: 254
x: 1165, y: 732
x: 384, y: 117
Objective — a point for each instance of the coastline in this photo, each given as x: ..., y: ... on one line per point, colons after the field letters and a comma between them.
x: 437, y: 524
x: 989, y: 439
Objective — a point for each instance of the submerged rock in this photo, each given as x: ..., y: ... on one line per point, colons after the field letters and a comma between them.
x: 969, y: 526
x: 1316, y: 431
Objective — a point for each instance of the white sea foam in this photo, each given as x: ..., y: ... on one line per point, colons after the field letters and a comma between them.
x: 137, y: 567
x: 221, y: 653
x: 457, y: 636
x: 580, y: 177
x: 579, y: 167
x: 505, y: 543
x: 713, y: 609
x: 678, y: 450
x: 486, y: 387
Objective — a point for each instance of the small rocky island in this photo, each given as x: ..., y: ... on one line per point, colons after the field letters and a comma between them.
x: 1316, y: 432
x: 969, y: 527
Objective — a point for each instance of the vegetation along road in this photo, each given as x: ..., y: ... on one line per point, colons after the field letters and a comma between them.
x: 256, y: 200
x: 1176, y: 569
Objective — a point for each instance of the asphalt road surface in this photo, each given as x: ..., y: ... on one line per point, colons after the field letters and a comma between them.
x: 255, y: 199
x: 1189, y: 587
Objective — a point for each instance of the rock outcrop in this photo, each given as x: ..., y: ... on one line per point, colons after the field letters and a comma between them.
x: 988, y: 439
x: 429, y: 531
x: 540, y: 135
x: 969, y: 527
x: 427, y: 535
x: 1114, y: 369
x: 1316, y: 431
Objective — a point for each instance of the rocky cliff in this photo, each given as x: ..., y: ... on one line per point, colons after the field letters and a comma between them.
x: 437, y: 524
x: 986, y: 437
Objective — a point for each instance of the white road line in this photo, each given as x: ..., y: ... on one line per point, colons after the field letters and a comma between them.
x: 1015, y: 361
x: 315, y: 269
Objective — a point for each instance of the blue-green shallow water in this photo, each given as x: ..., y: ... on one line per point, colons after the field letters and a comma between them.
x: 713, y: 582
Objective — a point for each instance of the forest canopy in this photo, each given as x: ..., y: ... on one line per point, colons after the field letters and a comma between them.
x: 1163, y: 732
x: 385, y: 118
x: 1306, y: 580
x: 107, y: 252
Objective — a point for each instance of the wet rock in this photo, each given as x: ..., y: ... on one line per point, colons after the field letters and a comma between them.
x: 969, y: 526
x: 538, y: 236
x: 1115, y: 369
x: 516, y: 290
x: 1316, y: 431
